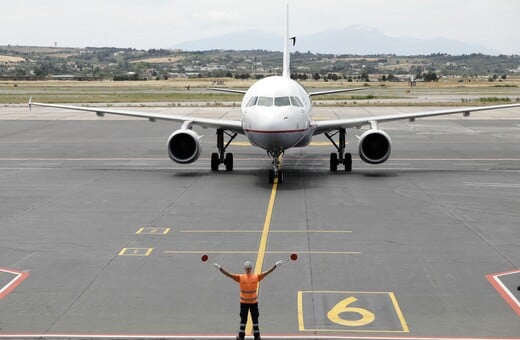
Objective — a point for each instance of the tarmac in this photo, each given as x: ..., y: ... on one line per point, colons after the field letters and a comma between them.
x: 102, y: 235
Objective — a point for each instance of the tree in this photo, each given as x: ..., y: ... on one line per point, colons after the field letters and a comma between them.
x: 430, y: 76
x: 316, y: 76
x: 332, y: 76
x: 242, y: 76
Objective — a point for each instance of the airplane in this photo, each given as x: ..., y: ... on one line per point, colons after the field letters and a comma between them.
x: 276, y: 116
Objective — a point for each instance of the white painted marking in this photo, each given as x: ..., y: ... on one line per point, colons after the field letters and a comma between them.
x: 492, y: 185
x: 506, y: 290
x: 474, y: 164
x: 17, y: 276
x: 205, y: 336
x: 125, y: 164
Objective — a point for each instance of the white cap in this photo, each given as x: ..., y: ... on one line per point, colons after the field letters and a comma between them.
x: 248, y: 264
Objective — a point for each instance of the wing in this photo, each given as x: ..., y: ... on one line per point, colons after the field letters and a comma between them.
x: 233, y: 125
x: 319, y: 93
x: 328, y: 125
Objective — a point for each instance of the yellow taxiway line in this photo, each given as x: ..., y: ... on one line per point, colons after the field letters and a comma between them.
x: 263, y: 244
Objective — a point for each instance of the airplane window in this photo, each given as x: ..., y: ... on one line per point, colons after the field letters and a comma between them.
x: 296, y: 101
x: 282, y: 101
x: 252, y: 101
x: 265, y: 101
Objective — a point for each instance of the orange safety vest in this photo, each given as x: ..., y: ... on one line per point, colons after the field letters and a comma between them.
x: 248, y: 286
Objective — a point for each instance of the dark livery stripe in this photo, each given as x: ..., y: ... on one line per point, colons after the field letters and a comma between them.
x: 274, y: 131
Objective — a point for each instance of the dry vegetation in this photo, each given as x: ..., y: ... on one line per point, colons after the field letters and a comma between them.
x: 10, y: 59
x: 176, y: 92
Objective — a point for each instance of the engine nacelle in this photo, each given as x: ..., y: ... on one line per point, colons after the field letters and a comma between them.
x: 375, y: 146
x: 184, y: 146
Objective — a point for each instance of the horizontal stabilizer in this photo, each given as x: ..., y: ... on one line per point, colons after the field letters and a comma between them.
x: 227, y: 90
x: 319, y: 93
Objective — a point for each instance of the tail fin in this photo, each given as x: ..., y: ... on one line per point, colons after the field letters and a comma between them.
x: 286, y: 73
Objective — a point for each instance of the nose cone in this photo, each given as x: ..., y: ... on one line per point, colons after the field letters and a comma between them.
x: 269, y: 119
x: 274, y: 129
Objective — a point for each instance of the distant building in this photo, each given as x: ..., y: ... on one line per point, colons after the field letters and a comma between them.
x: 63, y: 77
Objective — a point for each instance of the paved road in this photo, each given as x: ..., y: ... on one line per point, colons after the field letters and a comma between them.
x: 111, y: 232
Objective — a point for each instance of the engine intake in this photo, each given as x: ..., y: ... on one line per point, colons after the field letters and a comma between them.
x: 184, y: 146
x: 375, y: 146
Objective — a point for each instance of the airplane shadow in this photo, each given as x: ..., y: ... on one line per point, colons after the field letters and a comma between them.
x: 295, y: 178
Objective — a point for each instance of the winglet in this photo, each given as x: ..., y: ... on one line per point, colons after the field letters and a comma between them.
x: 30, y: 103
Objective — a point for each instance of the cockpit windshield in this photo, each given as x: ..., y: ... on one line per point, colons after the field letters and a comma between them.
x: 277, y: 101
x: 282, y: 101
x: 265, y: 101
x: 296, y: 102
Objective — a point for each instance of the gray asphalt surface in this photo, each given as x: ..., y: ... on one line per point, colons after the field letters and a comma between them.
x: 111, y: 231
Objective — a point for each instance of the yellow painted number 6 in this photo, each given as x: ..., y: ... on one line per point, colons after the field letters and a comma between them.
x: 366, y: 318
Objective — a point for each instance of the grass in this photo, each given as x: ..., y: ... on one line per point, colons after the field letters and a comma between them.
x: 175, y: 92
x: 494, y: 100
x: 108, y: 92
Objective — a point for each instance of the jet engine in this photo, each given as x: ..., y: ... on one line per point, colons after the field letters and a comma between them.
x: 184, y: 146
x: 375, y: 146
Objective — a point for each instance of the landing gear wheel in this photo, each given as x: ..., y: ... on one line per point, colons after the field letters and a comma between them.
x: 348, y: 162
x: 276, y: 171
x: 337, y: 158
x: 271, y: 176
x: 221, y: 156
x: 280, y: 176
x: 215, y: 161
x: 228, y: 162
x: 334, y: 162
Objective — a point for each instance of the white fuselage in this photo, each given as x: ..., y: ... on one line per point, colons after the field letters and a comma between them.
x: 276, y: 114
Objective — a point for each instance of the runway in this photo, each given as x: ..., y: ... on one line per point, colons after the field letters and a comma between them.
x: 108, y: 232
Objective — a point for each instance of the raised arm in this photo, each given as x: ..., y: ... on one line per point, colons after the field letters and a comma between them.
x: 225, y: 272
x: 271, y: 269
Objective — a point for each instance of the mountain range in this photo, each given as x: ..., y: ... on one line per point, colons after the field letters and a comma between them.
x: 360, y: 40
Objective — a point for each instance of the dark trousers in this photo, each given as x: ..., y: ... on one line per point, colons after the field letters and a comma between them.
x: 245, y: 308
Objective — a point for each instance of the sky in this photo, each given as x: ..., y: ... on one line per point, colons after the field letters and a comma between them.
x: 145, y: 24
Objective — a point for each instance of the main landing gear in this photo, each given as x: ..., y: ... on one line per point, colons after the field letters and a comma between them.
x: 222, y: 156
x: 276, y: 172
x: 340, y: 157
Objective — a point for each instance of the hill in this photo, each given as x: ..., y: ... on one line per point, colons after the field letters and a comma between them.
x: 359, y: 40
x: 25, y: 62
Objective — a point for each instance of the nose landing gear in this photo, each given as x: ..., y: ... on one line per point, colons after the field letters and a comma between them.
x: 276, y: 173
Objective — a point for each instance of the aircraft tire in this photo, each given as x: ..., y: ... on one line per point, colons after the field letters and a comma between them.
x: 334, y: 162
x: 215, y: 161
x: 271, y: 176
x: 280, y: 176
x: 348, y: 162
x: 228, y: 161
